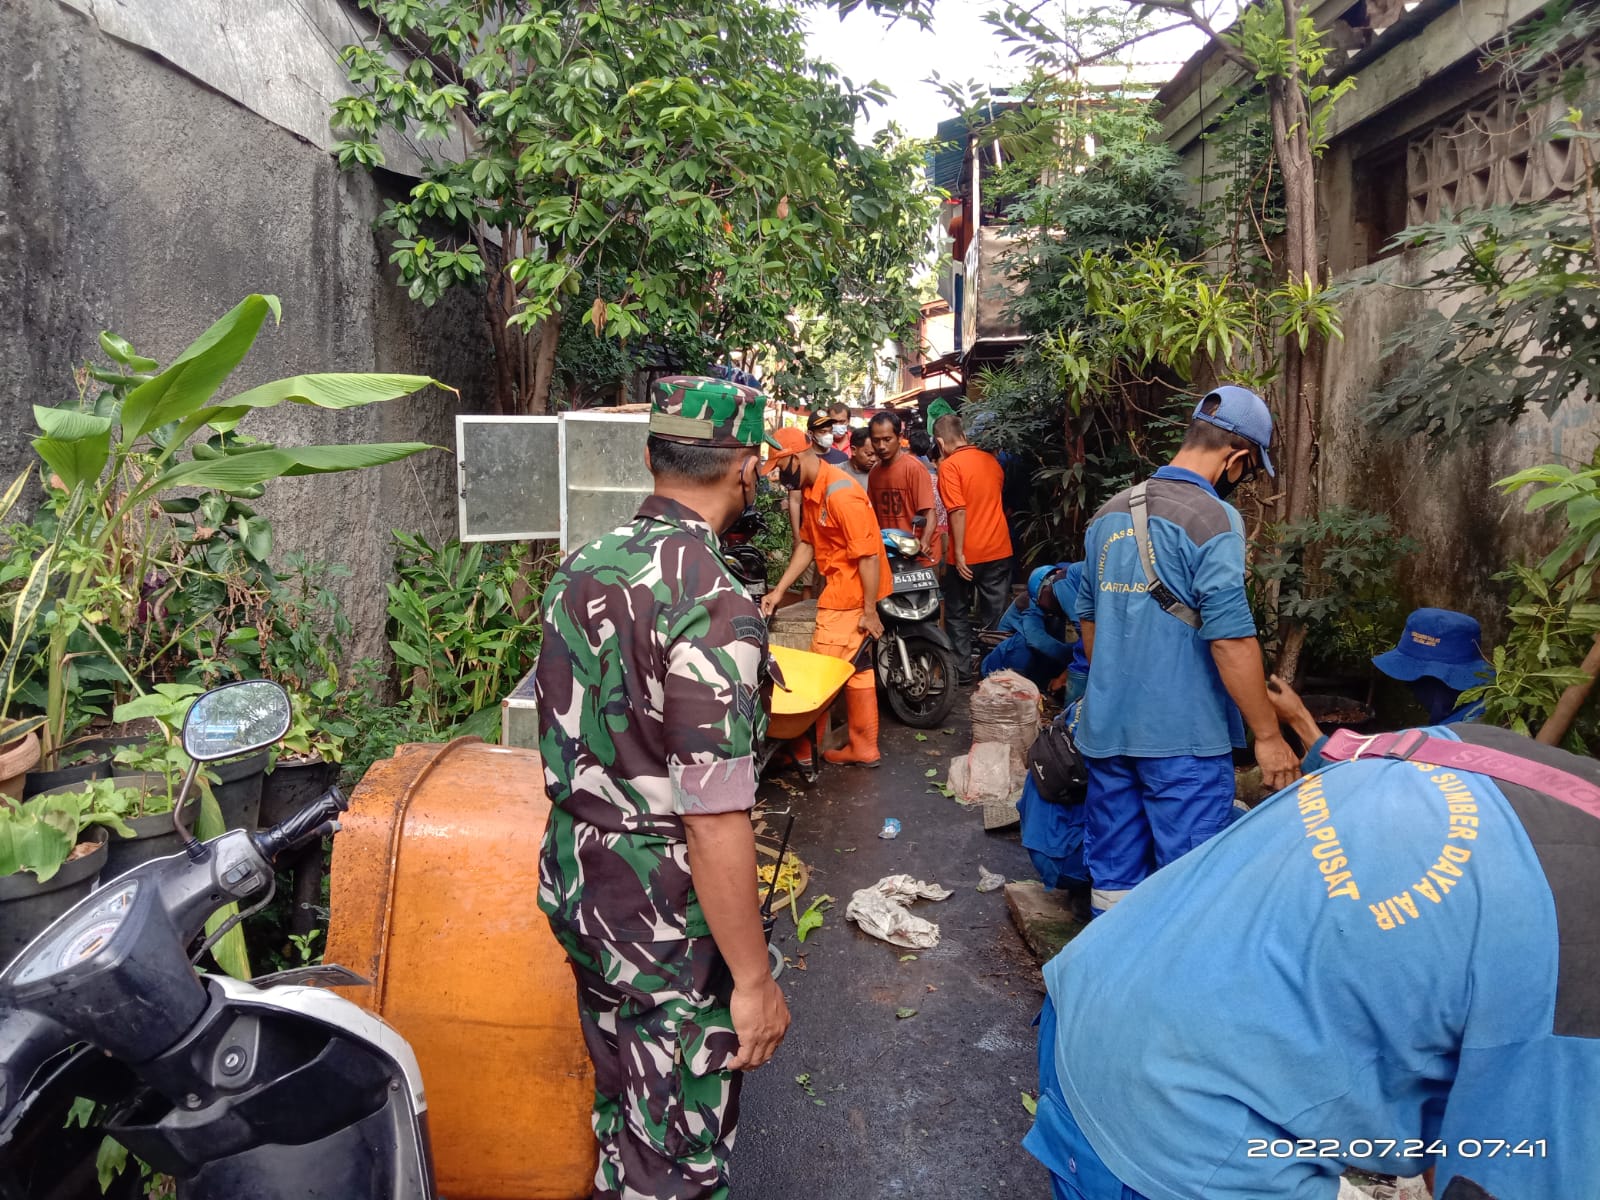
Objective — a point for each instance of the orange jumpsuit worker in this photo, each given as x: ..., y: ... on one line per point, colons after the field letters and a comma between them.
x: 838, y: 530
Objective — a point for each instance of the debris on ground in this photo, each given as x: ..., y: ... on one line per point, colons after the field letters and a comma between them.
x: 1043, y: 916
x: 812, y: 917
x: 904, y: 1014
x: 881, y: 910
x: 988, y: 881
x: 793, y: 877
x: 891, y: 828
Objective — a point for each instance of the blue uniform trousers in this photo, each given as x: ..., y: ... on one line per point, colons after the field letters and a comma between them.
x: 1052, y: 834
x: 1076, y: 1171
x: 1142, y: 813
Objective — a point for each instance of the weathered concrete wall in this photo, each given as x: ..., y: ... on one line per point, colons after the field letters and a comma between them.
x: 134, y: 198
x: 1465, y: 529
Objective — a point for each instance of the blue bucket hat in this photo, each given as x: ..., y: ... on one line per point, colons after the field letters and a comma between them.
x: 1440, y: 643
x: 1241, y: 411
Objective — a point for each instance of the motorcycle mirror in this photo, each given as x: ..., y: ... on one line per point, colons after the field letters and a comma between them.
x: 235, y: 719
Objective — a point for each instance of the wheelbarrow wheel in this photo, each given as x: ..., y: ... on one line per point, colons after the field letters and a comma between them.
x: 924, y: 700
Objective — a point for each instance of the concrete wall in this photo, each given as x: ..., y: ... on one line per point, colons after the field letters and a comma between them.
x: 135, y: 198
x: 1466, y: 530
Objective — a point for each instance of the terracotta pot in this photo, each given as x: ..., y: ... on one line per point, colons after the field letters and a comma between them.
x: 16, y: 760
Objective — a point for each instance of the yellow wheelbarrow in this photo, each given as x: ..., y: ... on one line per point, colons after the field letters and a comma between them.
x: 800, y: 702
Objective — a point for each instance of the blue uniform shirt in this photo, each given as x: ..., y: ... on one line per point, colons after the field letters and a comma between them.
x: 1395, y: 961
x: 1155, y: 691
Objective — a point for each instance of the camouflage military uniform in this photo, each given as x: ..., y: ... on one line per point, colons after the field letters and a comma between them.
x: 643, y: 622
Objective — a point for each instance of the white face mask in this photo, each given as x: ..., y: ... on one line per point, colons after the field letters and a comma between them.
x: 824, y: 441
x: 840, y: 431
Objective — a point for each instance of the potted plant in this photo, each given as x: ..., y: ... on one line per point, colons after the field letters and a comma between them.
x: 143, y: 806
x: 306, y: 762
x: 52, y: 850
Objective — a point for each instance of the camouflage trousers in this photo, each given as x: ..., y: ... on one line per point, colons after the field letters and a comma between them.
x: 655, y: 1019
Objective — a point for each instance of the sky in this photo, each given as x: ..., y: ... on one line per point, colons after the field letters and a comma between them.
x: 960, y: 46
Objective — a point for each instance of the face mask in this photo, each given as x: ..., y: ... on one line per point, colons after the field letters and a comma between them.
x: 824, y: 441
x: 1224, y: 486
x: 789, y: 476
x: 840, y: 431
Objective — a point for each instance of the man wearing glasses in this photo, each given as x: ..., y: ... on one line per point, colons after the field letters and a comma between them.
x: 1173, y: 650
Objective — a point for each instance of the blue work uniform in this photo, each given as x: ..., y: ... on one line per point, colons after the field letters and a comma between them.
x: 1387, y: 966
x: 1052, y: 833
x: 1034, y: 650
x: 1158, y: 725
x: 1066, y: 592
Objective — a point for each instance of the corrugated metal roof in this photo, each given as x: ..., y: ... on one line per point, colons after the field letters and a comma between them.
x: 944, y: 162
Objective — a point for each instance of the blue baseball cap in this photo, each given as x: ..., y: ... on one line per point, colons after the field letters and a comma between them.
x: 1241, y: 411
x: 1441, y: 643
x: 1036, y: 579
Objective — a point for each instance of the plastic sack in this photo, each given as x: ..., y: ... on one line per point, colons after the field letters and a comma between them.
x: 1005, y: 709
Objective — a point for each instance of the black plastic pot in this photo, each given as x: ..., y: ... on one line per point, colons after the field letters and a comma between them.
x: 290, y: 786
x: 36, y: 783
x: 153, y: 836
x: 27, y: 907
x: 239, y: 793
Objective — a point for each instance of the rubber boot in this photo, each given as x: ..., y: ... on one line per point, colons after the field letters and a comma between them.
x: 797, y: 754
x: 861, y: 704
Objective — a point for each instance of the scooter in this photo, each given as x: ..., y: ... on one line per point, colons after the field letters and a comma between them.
x: 916, y: 662
x: 743, y: 558
x: 263, y: 1090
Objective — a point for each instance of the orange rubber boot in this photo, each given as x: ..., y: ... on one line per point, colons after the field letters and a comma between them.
x: 861, y: 704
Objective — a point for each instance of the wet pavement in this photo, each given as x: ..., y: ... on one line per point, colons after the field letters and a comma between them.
x: 927, y: 1106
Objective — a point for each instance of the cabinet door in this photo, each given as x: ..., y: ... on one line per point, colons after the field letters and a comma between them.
x: 603, y: 476
x: 508, y: 478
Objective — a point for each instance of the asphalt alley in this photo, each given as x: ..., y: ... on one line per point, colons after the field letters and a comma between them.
x: 928, y: 1105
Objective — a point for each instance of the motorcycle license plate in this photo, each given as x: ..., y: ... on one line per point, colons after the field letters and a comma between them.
x: 915, y: 580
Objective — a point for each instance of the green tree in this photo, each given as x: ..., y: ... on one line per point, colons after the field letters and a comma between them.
x: 689, y: 152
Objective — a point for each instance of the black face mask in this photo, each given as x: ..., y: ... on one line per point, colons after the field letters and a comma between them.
x: 1225, y: 487
x: 789, y: 477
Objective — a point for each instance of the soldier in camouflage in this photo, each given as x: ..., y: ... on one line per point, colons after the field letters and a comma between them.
x: 648, y: 870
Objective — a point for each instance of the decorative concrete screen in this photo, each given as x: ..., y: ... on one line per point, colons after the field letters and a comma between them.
x: 1497, y: 152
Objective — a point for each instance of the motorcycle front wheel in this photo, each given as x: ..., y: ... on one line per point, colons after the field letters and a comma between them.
x: 924, y: 700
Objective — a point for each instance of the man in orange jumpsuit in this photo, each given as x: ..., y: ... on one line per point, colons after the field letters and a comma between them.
x: 839, y: 531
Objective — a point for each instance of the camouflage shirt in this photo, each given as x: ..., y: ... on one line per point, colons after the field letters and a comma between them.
x: 639, y: 624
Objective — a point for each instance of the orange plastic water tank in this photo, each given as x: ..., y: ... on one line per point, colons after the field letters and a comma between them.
x: 434, y: 896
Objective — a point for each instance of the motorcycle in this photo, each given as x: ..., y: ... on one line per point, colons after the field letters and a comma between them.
x: 916, y: 663
x: 260, y: 1090
x: 743, y: 558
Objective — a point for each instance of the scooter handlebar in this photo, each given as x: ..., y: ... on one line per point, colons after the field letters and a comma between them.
x: 308, y: 824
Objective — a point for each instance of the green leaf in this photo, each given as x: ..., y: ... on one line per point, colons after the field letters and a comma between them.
x: 811, y: 919
x: 904, y: 1014
x: 1029, y: 1103
x: 189, y: 383
x: 242, y: 470
x: 334, y: 391
x: 230, y: 953
x: 118, y: 349
x: 110, y: 1161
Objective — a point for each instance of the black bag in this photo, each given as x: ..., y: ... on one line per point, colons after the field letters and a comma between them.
x: 1057, y: 767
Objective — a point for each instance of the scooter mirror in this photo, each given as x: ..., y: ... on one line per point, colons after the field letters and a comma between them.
x: 236, y: 719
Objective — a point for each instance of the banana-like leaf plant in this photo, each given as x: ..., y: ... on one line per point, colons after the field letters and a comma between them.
x: 112, y: 458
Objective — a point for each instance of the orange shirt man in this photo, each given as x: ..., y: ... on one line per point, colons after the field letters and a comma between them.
x: 900, y: 487
x: 977, y: 585
x: 840, y: 533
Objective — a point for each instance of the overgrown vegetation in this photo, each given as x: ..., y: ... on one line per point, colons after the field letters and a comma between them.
x: 688, y: 165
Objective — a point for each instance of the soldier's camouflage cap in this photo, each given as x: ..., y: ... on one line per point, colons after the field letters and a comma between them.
x: 699, y: 411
